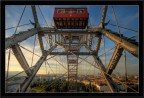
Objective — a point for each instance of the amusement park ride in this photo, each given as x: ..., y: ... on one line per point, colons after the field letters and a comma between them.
x: 71, y: 41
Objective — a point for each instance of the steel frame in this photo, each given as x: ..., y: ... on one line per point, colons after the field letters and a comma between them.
x: 123, y: 43
x: 21, y: 59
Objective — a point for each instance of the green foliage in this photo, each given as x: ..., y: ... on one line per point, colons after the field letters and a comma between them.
x: 38, y: 89
x: 61, y: 86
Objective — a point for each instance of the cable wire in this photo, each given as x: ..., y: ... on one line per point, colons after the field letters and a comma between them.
x: 8, y: 68
x: 33, y: 50
x: 43, y: 15
x: 46, y: 68
x: 60, y: 63
x: 104, y: 49
x: 17, y: 26
x: 29, y: 51
x: 20, y: 19
x: 102, y: 70
x: 125, y: 69
x: 123, y: 27
x: 9, y: 55
x: 116, y: 21
x: 50, y: 67
x: 23, y: 71
x: 110, y: 75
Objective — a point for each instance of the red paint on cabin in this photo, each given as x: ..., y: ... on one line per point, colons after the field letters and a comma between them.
x: 70, y: 18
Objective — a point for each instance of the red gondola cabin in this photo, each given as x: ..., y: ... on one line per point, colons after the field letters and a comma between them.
x: 70, y: 18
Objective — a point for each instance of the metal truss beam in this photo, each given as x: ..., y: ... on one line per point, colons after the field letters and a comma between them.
x: 114, y: 59
x: 113, y: 87
x: 10, y: 41
x: 72, y: 73
x: 21, y: 59
x: 103, y: 16
x: 72, y: 61
x: 48, y: 30
x: 124, y: 42
x: 98, y: 43
x: 38, y: 27
x: 111, y: 84
x: 129, y: 46
x: 27, y: 82
x: 35, y: 16
x: 101, y: 25
x: 77, y: 53
x: 41, y: 42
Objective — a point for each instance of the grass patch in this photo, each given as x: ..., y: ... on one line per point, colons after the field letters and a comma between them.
x: 38, y: 89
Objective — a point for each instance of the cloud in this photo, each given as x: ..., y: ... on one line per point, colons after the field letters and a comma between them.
x: 129, y: 19
x: 131, y: 68
x: 70, y: 6
x: 15, y: 66
x: 13, y: 63
x: 50, y: 22
x: 10, y: 32
x: 7, y: 14
x: 107, y: 53
x: 12, y: 18
x: 36, y: 50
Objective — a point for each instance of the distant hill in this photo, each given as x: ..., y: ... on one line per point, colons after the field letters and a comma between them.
x: 12, y: 73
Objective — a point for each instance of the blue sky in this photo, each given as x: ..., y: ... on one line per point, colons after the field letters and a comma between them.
x: 127, y: 16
